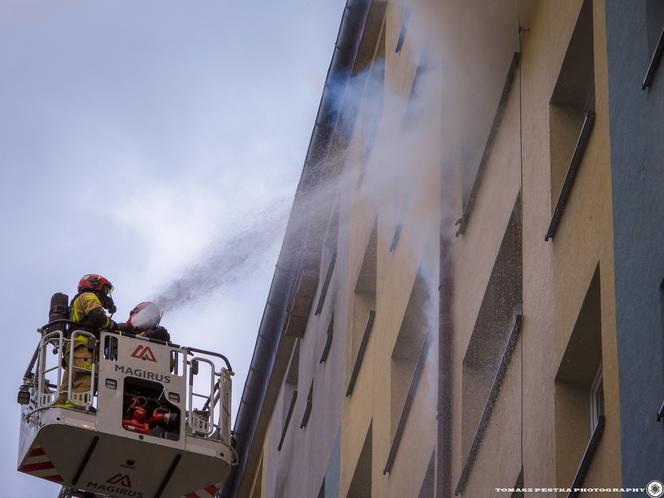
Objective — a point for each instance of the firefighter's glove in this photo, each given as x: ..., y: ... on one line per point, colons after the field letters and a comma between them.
x: 112, y: 326
x: 117, y: 327
x: 159, y: 333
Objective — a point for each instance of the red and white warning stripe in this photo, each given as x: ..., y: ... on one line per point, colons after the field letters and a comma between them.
x: 206, y: 492
x: 37, y: 464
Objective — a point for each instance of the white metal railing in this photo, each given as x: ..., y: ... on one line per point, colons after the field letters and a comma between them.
x: 208, y: 400
x: 47, y: 393
x: 45, y: 396
x: 213, y: 418
x: 201, y: 421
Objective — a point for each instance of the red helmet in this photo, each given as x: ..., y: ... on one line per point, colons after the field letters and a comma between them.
x: 100, y: 286
x: 95, y: 283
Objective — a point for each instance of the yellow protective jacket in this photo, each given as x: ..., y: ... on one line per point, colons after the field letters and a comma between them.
x: 87, y: 310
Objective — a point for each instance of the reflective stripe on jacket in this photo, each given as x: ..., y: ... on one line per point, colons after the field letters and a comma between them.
x: 83, y: 305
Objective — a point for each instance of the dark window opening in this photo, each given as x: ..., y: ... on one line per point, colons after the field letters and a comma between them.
x: 360, y: 353
x: 364, y: 306
x: 328, y: 341
x: 518, y: 485
x: 408, y: 357
x: 470, y: 192
x: 308, y: 406
x: 373, y: 96
x: 579, y: 397
x: 402, y: 33
x: 289, y: 414
x: 416, y: 103
x: 427, y: 488
x: 493, y: 329
x: 360, y: 485
x: 290, y: 392
x: 571, y: 112
x: 396, y: 237
x: 326, y: 284
x: 370, y: 45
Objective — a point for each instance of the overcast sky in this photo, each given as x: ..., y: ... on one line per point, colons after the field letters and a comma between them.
x: 138, y: 138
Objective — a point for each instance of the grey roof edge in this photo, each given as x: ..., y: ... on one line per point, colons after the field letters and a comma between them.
x: 282, y: 288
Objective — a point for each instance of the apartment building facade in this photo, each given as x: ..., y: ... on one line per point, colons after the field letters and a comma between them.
x: 463, y: 300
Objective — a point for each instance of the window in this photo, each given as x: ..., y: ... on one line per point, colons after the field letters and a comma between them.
x: 404, y: 29
x: 368, y: 327
x: 426, y: 491
x: 360, y: 485
x: 471, y: 190
x: 328, y: 253
x: 571, y: 112
x: 579, y: 393
x: 494, y: 338
x: 326, y: 284
x: 416, y: 103
x: 372, y: 37
x: 408, y: 356
x: 364, y: 308
x: 396, y: 237
x: 493, y: 330
x: 307, y: 408
x: 289, y: 393
x: 369, y: 72
x: 328, y: 340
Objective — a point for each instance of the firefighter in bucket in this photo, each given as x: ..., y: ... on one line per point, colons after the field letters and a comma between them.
x: 87, y: 309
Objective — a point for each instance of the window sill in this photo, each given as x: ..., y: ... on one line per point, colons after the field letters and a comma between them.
x: 587, y: 458
x: 654, y: 63
x: 572, y: 170
x: 360, y: 352
x: 287, y: 422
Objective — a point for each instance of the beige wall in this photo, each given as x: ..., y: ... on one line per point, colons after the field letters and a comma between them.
x: 401, y: 185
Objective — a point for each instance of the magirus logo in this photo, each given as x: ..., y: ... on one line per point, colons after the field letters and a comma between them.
x: 120, y: 479
x: 118, y: 485
x: 144, y: 353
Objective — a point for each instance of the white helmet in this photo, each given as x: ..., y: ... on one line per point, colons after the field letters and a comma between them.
x: 144, y: 316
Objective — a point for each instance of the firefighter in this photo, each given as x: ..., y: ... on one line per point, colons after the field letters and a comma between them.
x: 144, y: 321
x: 87, y: 309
